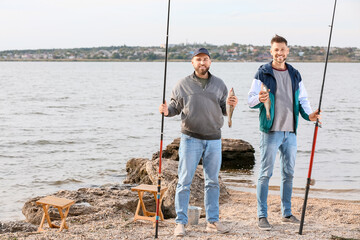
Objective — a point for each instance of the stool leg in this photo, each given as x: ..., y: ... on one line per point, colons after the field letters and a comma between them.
x: 145, y: 212
x: 63, y: 218
x: 40, y: 229
x: 154, y: 218
x: 137, y: 209
x: 160, y: 203
x: 46, y: 208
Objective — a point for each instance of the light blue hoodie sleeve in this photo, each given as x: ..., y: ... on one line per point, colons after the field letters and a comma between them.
x: 253, y: 95
x: 303, y: 99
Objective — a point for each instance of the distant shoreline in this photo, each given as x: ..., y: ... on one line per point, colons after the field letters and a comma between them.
x: 234, y: 52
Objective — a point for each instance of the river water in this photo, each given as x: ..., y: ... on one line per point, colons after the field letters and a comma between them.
x: 66, y: 125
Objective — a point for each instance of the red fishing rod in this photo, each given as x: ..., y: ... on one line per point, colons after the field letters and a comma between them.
x: 316, y: 130
x: 162, y: 127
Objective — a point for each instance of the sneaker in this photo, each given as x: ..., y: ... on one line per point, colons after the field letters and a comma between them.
x: 291, y: 219
x: 263, y: 224
x: 216, y: 227
x: 179, y: 230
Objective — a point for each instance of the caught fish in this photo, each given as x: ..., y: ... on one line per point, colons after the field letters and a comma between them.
x: 229, y: 108
x: 267, y: 104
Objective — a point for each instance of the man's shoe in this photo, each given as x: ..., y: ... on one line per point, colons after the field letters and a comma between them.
x: 263, y: 224
x: 216, y: 227
x: 179, y: 230
x: 291, y: 219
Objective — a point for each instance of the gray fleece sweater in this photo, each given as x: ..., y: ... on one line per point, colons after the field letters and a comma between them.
x: 201, y: 109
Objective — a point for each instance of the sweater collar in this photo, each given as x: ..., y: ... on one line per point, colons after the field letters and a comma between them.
x: 269, y: 69
x: 193, y: 75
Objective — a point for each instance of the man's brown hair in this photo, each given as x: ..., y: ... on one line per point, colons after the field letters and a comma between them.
x: 278, y: 39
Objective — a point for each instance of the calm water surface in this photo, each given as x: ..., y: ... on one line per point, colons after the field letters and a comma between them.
x: 72, y: 125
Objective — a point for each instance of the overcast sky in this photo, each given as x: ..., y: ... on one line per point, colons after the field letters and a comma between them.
x: 40, y: 24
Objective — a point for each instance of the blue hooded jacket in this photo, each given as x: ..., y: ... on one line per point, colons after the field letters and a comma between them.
x: 265, y: 74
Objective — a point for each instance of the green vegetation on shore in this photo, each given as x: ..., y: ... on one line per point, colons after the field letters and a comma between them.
x: 181, y: 52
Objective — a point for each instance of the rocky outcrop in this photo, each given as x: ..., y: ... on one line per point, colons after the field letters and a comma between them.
x: 236, y: 153
x: 95, y: 202
x: 136, y: 172
x: 170, y: 152
x: 98, y: 203
x: 148, y: 170
x: 17, y: 226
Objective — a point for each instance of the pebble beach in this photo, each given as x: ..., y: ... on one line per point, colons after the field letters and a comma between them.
x: 325, y: 219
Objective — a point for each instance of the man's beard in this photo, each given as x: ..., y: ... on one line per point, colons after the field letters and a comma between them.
x: 203, y: 71
x: 280, y: 61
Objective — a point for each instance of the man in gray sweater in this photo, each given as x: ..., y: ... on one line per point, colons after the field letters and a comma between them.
x: 201, y: 100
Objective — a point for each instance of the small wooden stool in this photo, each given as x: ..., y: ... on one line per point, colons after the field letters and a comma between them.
x: 151, y: 216
x: 60, y: 204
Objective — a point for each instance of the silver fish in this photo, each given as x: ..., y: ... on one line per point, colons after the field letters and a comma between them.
x: 229, y: 108
x: 267, y: 104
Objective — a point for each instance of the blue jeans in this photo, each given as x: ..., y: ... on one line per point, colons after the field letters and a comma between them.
x: 270, y: 143
x: 190, y: 152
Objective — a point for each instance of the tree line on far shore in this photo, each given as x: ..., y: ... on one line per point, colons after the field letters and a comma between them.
x: 181, y: 52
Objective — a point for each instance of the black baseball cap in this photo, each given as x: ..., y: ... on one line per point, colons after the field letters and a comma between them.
x: 201, y: 50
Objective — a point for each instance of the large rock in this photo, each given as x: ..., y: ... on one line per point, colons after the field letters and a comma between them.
x: 148, y: 170
x: 136, y: 171
x: 236, y: 153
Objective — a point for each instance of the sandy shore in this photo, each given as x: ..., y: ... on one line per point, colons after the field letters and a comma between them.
x: 325, y: 219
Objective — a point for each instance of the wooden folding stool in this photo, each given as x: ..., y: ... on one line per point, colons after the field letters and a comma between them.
x: 151, y: 216
x: 60, y: 204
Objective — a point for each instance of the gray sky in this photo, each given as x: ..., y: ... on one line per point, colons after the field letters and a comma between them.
x: 39, y: 24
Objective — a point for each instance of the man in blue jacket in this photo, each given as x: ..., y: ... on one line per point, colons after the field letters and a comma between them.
x: 288, y: 98
x: 200, y: 99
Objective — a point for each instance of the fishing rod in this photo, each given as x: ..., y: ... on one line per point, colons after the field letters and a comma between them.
x: 162, y: 127
x: 308, y: 183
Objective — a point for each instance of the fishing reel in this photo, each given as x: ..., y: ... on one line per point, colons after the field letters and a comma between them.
x: 312, y: 182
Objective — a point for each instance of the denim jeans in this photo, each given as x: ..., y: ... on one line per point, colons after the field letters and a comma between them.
x: 190, y: 152
x: 270, y: 143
